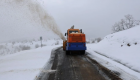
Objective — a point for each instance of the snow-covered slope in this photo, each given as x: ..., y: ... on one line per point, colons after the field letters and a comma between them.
x: 122, y: 47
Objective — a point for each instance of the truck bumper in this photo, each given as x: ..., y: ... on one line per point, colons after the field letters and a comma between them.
x: 76, y: 46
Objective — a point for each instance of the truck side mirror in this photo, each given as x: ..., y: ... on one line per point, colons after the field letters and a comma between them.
x: 81, y: 30
x: 65, y: 34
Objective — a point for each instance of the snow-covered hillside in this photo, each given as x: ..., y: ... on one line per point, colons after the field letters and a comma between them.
x: 122, y: 47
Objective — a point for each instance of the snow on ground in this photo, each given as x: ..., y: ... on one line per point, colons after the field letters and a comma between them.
x: 14, y: 47
x: 24, y: 65
x: 122, y: 48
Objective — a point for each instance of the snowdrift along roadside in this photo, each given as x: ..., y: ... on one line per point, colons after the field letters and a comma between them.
x: 121, y: 47
x: 24, y: 65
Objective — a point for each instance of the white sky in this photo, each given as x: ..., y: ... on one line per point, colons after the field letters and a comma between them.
x: 95, y: 17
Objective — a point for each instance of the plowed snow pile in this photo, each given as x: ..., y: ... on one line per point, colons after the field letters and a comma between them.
x: 122, y: 47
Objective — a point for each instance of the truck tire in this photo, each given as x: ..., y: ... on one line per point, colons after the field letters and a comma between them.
x: 67, y: 52
x: 82, y: 52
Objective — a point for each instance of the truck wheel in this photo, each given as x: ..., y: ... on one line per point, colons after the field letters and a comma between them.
x: 82, y: 52
x: 67, y: 52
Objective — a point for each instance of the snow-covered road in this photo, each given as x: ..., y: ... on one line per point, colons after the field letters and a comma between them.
x: 76, y: 67
x: 27, y: 65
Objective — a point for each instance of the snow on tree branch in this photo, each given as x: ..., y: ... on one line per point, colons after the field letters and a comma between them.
x: 126, y: 23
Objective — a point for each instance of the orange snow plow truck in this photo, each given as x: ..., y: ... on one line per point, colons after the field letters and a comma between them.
x: 76, y: 41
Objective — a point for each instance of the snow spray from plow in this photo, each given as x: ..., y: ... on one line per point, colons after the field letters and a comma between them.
x: 39, y: 14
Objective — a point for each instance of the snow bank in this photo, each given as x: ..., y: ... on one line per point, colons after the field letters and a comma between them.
x: 24, y: 65
x: 122, y: 47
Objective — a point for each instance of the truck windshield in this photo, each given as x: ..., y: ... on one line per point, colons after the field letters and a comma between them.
x: 73, y: 32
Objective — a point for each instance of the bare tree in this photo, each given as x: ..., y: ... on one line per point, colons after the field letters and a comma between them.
x: 122, y: 24
x: 126, y: 23
x: 116, y: 27
x: 97, y: 40
x: 129, y: 21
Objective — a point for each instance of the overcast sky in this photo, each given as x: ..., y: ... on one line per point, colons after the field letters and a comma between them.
x: 95, y: 17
